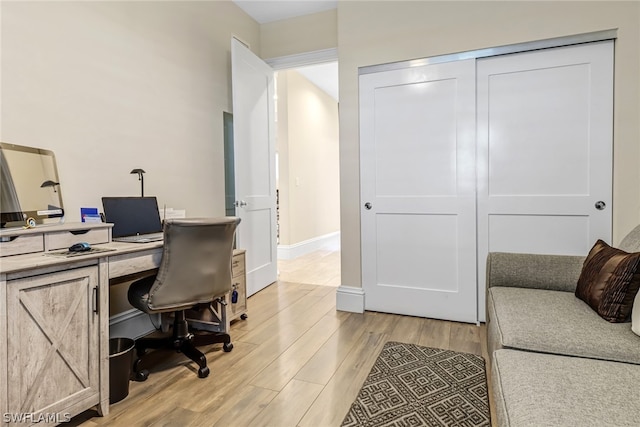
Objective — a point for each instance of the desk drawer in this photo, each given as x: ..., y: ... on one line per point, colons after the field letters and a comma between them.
x: 25, y: 244
x: 64, y: 239
x: 135, y: 262
x: 240, y: 307
x: 237, y: 264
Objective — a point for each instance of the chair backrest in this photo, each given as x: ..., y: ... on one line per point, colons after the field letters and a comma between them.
x: 631, y: 242
x: 196, y: 262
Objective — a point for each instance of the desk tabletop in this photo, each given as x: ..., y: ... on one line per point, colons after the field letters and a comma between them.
x: 17, y: 263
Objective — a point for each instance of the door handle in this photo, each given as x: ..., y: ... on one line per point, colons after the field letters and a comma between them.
x: 240, y: 203
x: 96, y: 300
x: 600, y: 205
x: 368, y: 206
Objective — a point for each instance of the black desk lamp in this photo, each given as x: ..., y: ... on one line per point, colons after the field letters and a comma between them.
x: 49, y: 183
x: 141, y: 179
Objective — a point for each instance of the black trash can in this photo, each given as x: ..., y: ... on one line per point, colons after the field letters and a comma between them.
x: 120, y: 366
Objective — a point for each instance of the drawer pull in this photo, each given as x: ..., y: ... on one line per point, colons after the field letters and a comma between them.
x: 78, y: 232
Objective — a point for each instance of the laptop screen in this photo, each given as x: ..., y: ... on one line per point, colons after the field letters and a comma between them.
x: 132, y: 215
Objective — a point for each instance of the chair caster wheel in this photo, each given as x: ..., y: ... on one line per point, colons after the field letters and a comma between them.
x: 142, y: 375
x: 227, y: 347
x: 243, y: 316
x: 136, y: 366
x: 203, y: 372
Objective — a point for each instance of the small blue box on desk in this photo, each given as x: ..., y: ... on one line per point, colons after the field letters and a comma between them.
x: 90, y: 215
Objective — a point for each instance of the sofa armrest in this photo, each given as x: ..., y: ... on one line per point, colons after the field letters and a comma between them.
x: 552, y: 272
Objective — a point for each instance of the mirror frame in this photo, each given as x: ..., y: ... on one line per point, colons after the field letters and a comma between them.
x: 30, y: 218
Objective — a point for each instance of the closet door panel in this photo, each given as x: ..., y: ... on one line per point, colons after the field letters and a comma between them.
x: 418, y: 191
x: 544, y: 132
x: 427, y: 118
x: 510, y: 153
x: 405, y: 256
x: 554, y: 234
x: 538, y: 125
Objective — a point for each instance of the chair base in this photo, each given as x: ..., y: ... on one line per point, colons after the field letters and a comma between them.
x: 183, y: 341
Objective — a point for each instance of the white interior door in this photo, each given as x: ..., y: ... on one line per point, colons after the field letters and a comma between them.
x: 254, y: 152
x: 544, y: 152
x: 418, y: 215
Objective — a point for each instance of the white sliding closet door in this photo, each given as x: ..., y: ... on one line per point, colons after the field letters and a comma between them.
x: 544, y: 152
x: 417, y: 143
x: 442, y: 186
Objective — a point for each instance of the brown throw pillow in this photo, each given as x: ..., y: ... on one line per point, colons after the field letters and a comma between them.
x: 609, y: 281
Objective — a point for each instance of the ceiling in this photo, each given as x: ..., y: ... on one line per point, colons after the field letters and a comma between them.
x: 276, y: 10
x: 325, y: 76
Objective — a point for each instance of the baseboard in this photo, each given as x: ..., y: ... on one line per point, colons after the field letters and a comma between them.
x: 131, y: 324
x: 349, y: 298
x: 331, y: 240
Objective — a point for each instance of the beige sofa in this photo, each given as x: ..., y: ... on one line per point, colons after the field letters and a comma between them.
x: 554, y: 360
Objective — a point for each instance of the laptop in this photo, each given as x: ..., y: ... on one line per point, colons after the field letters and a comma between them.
x: 135, y: 219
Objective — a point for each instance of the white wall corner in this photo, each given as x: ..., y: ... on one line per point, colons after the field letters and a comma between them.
x: 349, y: 298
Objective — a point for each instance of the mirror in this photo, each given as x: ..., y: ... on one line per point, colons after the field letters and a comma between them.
x: 29, y: 186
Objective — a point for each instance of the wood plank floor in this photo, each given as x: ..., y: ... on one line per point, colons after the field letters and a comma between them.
x: 296, y: 362
x: 321, y: 267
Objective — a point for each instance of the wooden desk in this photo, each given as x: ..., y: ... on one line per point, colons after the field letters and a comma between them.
x: 54, y: 352
x: 54, y: 321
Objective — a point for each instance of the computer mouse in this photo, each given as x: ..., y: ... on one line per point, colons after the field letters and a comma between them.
x: 80, y: 247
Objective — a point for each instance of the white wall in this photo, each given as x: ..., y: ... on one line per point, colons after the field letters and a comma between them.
x: 380, y: 32
x: 113, y: 86
x: 110, y: 86
x: 377, y: 32
x: 302, y: 34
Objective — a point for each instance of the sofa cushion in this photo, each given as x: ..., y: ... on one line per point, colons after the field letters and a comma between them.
x: 556, y: 322
x: 533, y: 389
x: 539, y: 271
x: 609, y: 281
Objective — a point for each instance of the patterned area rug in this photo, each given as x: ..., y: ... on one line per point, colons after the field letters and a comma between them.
x: 411, y: 385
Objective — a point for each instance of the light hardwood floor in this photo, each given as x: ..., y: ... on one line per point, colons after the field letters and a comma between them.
x: 296, y: 362
x: 321, y: 267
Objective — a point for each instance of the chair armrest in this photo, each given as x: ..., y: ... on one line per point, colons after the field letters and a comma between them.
x: 552, y: 272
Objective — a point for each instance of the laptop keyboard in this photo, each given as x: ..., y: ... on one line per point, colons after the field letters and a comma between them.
x: 140, y: 238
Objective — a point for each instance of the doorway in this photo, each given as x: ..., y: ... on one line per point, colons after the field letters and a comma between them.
x: 253, y: 131
x: 307, y: 174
